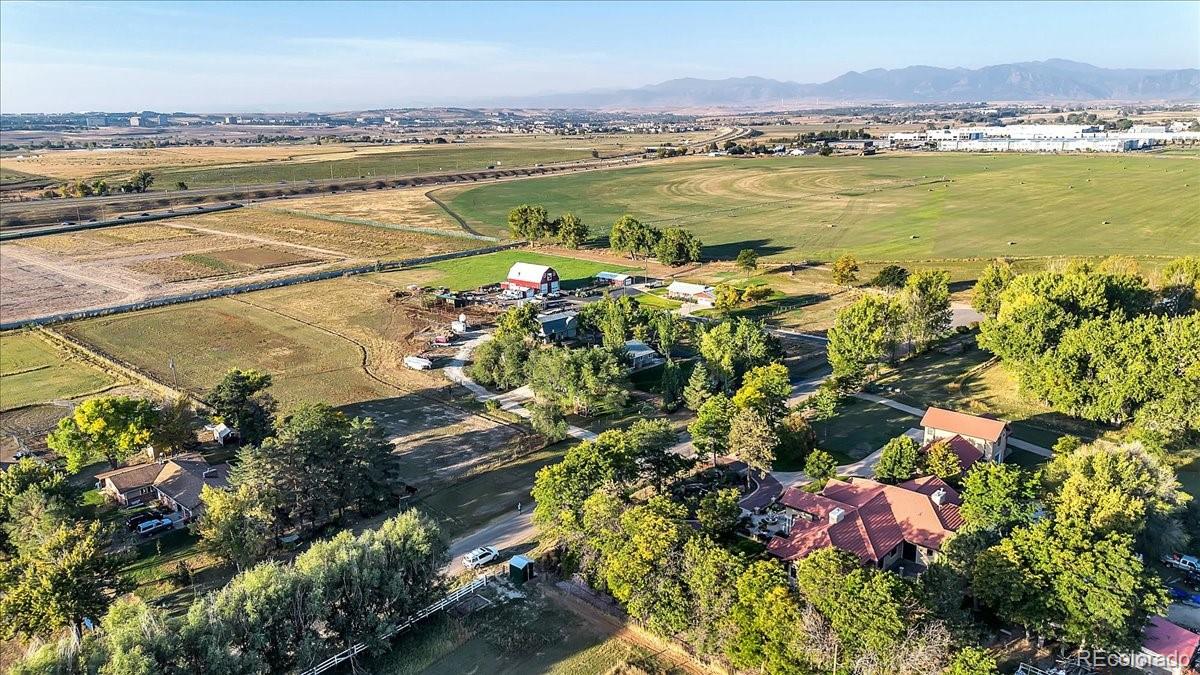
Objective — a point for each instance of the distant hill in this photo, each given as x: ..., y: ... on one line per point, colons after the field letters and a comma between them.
x: 1050, y: 80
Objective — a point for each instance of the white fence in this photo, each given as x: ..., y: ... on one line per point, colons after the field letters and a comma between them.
x: 453, y: 598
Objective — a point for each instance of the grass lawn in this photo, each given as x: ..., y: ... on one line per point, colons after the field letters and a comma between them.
x: 532, y: 635
x: 972, y: 382
x: 893, y: 207
x: 860, y: 428
x: 480, y: 270
x: 466, y: 505
x: 32, y: 370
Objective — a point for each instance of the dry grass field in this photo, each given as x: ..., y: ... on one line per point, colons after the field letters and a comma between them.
x: 340, y: 341
x: 79, y: 270
x: 403, y: 208
x: 329, y: 237
x: 217, y: 165
x: 78, y: 164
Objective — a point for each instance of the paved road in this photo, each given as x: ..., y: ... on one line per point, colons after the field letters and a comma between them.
x: 502, y: 532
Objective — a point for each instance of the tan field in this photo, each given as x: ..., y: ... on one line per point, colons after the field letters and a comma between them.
x: 93, y: 268
x: 77, y: 164
x: 408, y: 208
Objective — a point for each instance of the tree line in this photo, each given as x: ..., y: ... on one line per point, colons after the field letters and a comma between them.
x: 274, y: 617
x: 1096, y: 341
x: 867, y: 332
x: 671, y: 246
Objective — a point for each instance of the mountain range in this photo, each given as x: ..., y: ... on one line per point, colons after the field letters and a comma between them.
x: 1050, y: 80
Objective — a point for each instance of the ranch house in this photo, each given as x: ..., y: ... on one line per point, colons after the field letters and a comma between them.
x: 697, y: 293
x: 175, y: 483
x: 537, y: 278
x: 988, y: 437
x: 886, y: 526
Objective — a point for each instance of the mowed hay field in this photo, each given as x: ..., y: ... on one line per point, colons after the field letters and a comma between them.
x: 32, y: 370
x: 887, y: 207
x: 205, y: 339
x: 403, y: 208
x: 328, y: 234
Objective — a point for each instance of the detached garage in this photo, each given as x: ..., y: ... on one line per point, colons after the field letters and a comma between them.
x: 537, y: 278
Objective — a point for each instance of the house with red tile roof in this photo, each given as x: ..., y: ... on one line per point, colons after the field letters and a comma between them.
x: 1167, y: 648
x: 886, y: 526
x: 988, y: 437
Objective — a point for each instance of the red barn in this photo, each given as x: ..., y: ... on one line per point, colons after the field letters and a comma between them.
x: 537, y: 278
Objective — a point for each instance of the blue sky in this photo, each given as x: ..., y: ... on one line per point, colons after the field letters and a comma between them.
x: 339, y: 56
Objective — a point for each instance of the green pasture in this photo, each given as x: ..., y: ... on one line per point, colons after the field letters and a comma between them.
x: 887, y: 207
x: 481, y: 270
x: 34, y: 371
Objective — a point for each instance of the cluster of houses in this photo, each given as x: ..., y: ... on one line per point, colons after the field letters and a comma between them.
x: 904, y: 527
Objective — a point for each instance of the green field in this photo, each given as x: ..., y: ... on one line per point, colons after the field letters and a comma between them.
x: 902, y: 207
x: 475, y: 271
x: 205, y: 339
x: 532, y: 635
x: 34, y: 371
x: 423, y: 159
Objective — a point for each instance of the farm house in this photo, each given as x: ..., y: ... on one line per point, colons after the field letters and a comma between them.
x: 697, y: 293
x: 537, y: 278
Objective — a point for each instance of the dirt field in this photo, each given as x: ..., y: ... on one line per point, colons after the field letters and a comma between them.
x: 80, y: 270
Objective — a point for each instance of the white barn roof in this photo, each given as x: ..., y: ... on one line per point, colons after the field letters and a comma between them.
x: 527, y: 272
x: 611, y: 276
x: 684, y: 288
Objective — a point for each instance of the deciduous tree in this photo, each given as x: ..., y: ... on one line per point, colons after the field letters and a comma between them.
x: 677, y: 246
x: 845, y: 270
x: 106, y: 427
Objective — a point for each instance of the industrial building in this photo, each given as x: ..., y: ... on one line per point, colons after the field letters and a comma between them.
x: 1042, y: 145
x: 1044, y: 138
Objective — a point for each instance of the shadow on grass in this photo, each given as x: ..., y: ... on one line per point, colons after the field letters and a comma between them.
x: 729, y: 251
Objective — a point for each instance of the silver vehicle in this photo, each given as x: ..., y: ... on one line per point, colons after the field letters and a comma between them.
x: 480, y: 557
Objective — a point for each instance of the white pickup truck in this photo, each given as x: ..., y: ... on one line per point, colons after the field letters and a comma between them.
x: 1188, y: 563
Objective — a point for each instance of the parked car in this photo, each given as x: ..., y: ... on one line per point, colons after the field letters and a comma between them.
x: 132, y: 522
x: 480, y: 557
x: 1187, y: 563
x: 153, y: 527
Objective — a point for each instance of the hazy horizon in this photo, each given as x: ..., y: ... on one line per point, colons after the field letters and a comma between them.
x: 267, y: 57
